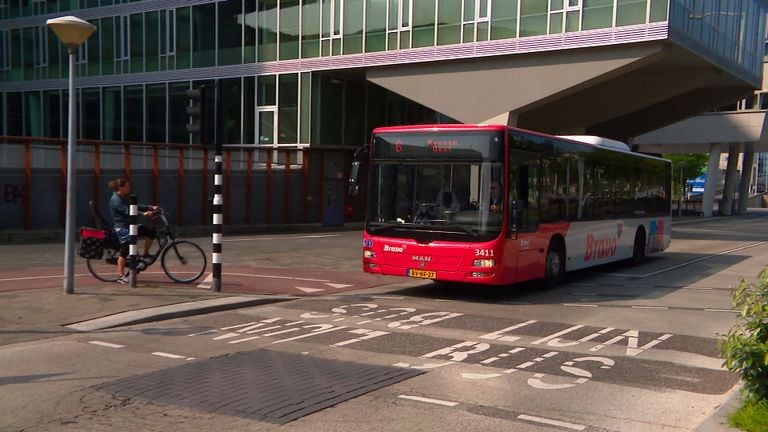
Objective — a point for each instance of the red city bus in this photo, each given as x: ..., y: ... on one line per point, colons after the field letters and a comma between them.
x: 496, y: 205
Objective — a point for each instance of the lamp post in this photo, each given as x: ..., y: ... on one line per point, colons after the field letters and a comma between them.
x: 682, y: 190
x: 72, y: 32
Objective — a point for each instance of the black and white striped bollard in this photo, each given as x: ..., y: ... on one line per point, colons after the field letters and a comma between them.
x: 134, y: 232
x: 218, y: 220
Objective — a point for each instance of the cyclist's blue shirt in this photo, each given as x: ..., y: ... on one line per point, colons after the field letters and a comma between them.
x: 119, y: 209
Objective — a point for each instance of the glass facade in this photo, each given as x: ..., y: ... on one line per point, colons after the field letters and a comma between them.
x: 290, y: 108
x: 734, y: 29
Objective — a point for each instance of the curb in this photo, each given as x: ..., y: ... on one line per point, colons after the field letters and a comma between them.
x: 718, y: 421
x: 174, y: 311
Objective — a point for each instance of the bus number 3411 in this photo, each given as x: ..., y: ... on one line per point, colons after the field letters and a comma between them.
x: 483, y: 252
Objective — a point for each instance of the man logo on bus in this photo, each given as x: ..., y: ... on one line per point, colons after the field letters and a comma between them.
x: 600, y: 248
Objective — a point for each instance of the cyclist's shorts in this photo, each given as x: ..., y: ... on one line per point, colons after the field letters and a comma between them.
x: 123, y: 234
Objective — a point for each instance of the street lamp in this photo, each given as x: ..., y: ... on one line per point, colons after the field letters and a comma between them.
x: 72, y: 32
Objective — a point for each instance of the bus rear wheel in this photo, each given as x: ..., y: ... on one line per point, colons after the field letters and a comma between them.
x: 554, y: 271
x: 638, y: 248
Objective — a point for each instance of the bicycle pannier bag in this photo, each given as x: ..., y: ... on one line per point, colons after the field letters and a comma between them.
x: 91, y: 243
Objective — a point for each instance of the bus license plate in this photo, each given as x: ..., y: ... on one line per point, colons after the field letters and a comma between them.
x: 424, y: 274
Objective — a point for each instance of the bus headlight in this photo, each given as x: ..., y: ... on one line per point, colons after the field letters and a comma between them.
x: 369, y: 254
x: 484, y: 263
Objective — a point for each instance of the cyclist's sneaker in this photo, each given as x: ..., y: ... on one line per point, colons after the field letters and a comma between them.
x: 123, y: 280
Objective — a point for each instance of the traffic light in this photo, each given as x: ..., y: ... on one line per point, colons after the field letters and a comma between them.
x: 196, y: 110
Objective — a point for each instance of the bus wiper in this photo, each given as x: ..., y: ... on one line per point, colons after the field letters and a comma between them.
x: 379, y: 226
x: 443, y: 224
x: 470, y: 231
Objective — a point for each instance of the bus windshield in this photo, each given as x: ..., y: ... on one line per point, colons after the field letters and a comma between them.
x: 454, y: 194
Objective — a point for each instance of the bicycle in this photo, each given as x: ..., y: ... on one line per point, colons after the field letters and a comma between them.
x: 182, y: 260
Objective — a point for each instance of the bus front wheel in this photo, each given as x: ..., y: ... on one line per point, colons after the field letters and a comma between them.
x: 555, y: 266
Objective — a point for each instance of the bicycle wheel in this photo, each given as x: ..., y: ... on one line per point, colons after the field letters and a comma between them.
x: 183, y: 261
x: 104, y: 269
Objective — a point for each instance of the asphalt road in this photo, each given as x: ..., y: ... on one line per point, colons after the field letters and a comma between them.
x: 617, y: 348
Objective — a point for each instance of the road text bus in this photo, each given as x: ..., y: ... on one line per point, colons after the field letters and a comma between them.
x: 497, y: 205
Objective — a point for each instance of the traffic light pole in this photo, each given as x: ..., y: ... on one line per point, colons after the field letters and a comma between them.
x: 218, y: 197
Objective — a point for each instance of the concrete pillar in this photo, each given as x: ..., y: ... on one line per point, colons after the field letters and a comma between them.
x: 746, y: 177
x: 731, y: 173
x: 713, y: 177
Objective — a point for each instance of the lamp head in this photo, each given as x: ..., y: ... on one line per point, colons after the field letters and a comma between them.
x: 71, y: 30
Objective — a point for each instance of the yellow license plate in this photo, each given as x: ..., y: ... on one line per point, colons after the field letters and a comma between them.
x: 424, y: 274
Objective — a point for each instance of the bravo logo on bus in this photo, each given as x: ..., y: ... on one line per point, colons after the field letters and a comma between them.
x: 602, y: 247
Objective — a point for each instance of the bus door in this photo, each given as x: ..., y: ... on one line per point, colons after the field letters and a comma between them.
x: 523, y: 220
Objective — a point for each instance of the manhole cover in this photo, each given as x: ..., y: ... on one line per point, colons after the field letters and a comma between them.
x: 263, y: 385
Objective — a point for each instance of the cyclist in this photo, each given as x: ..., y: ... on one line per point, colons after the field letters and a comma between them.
x: 119, y: 210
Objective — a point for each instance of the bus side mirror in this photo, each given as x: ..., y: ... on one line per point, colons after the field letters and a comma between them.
x: 353, y: 186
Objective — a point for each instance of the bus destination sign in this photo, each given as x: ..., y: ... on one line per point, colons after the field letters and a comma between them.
x: 474, y: 145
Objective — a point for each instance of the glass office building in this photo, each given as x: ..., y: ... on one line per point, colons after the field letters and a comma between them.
x: 288, y: 70
x: 301, y: 84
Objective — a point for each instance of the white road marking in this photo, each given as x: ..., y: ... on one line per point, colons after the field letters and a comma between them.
x: 309, y: 290
x: 173, y: 356
x: 720, y: 310
x: 106, y: 344
x: 650, y: 307
x: 579, y: 305
x: 203, y: 333
x: 207, y: 282
x: 338, y: 286
x: 40, y: 277
x: 388, y: 297
x: 429, y: 400
x: 572, y: 426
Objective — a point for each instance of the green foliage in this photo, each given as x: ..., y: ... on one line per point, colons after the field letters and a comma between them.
x: 751, y: 417
x: 745, y: 346
x: 693, y: 164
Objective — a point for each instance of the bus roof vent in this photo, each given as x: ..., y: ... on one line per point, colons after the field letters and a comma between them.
x: 598, y: 141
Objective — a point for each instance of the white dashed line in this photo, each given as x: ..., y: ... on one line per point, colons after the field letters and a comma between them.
x: 579, y: 305
x: 106, y: 344
x: 173, y: 356
x: 203, y: 333
x: 428, y: 400
x: 572, y: 426
x: 720, y: 310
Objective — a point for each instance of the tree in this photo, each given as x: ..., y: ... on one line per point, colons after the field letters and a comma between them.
x: 693, y: 164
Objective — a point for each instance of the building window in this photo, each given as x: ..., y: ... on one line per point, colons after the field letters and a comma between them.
x: 503, y: 19
x: 475, y: 20
x: 353, y: 26
x: 556, y: 11
x: 399, y: 15
x: 123, y: 39
x: 630, y: 12
x: 376, y: 25
x: 533, y: 18
x: 423, y: 24
x: 597, y: 14
x: 267, y: 31
x: 5, y: 50
x: 449, y: 21
x: 288, y: 36
x: 330, y: 39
